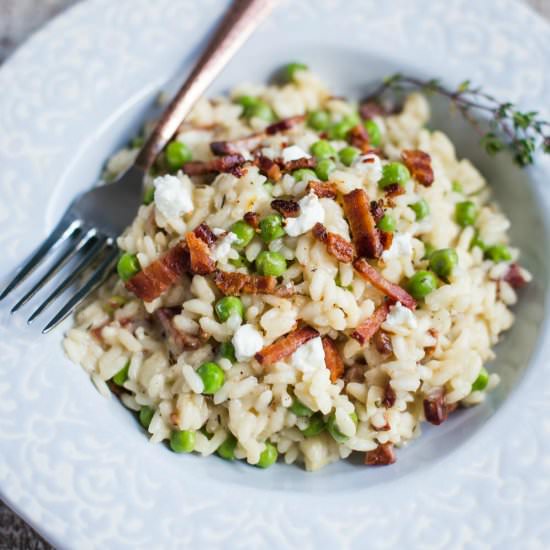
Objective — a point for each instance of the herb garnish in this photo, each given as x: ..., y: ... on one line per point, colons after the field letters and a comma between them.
x: 522, y: 133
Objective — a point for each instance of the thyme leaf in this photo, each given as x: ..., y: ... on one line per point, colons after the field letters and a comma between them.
x: 522, y: 133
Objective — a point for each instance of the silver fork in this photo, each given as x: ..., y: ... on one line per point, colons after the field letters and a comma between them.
x: 86, y: 234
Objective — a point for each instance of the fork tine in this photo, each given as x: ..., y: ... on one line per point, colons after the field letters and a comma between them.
x: 71, y: 251
x: 62, y: 231
x: 89, y: 286
x: 88, y: 258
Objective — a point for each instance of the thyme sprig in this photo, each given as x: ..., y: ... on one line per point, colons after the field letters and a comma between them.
x: 507, y: 127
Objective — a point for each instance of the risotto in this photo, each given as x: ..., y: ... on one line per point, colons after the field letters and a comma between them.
x: 308, y: 277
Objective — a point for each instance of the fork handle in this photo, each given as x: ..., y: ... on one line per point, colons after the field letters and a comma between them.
x: 238, y: 23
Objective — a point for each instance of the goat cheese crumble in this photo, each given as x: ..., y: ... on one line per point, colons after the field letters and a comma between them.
x: 400, y: 316
x: 311, y: 212
x: 172, y: 197
x: 294, y: 153
x: 247, y: 341
x: 400, y: 246
x: 223, y: 245
x: 309, y: 357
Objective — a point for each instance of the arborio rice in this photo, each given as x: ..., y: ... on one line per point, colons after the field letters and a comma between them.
x: 358, y: 361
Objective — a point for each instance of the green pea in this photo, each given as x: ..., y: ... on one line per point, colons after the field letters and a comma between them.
x: 324, y: 168
x: 333, y: 429
x: 270, y: 263
x: 122, y: 375
x: 268, y: 457
x: 145, y: 416
x: 227, y: 351
x: 177, y: 154
x: 260, y: 109
x: 387, y: 223
x: 301, y: 173
x: 182, y: 441
x: 247, y: 100
x: 456, y: 186
x: 322, y: 149
x: 422, y: 283
x: 428, y: 250
x: 212, y: 377
x: 299, y: 409
x: 271, y: 228
x: 290, y: 70
x: 465, y: 213
x: 228, y: 306
x: 339, y: 130
x: 420, y: 208
x: 149, y: 195
x: 375, y: 136
x: 227, y: 449
x: 255, y: 107
x: 481, y: 381
x: 348, y: 155
x: 318, y: 120
x: 498, y: 253
x: 244, y: 232
x: 316, y: 426
x: 394, y: 172
x: 241, y: 261
x: 443, y: 261
x: 127, y: 266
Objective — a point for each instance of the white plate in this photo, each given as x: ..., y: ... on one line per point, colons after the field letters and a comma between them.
x: 78, y: 467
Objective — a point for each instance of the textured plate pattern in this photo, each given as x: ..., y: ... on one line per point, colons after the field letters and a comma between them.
x: 74, y: 465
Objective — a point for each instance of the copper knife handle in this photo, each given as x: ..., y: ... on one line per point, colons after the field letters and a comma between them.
x: 238, y: 23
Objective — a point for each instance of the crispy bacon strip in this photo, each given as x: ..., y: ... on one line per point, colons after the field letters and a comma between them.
x: 363, y: 227
x: 161, y: 274
x: 377, y: 210
x: 336, y: 245
x: 252, y: 219
x: 382, y: 342
x: 368, y: 328
x: 291, y: 165
x: 234, y: 147
x: 358, y: 137
x: 370, y: 109
x: 394, y: 190
x: 514, y: 276
x: 220, y: 164
x: 269, y: 168
x: 393, y: 291
x: 389, y: 397
x: 333, y: 361
x: 381, y: 456
x: 287, y: 208
x: 386, y: 238
x: 178, y: 341
x: 435, y: 408
x: 201, y: 261
x: 235, y: 284
x: 420, y: 165
x: 323, y: 189
x: 286, y: 345
x: 205, y: 234
x: 284, y: 124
